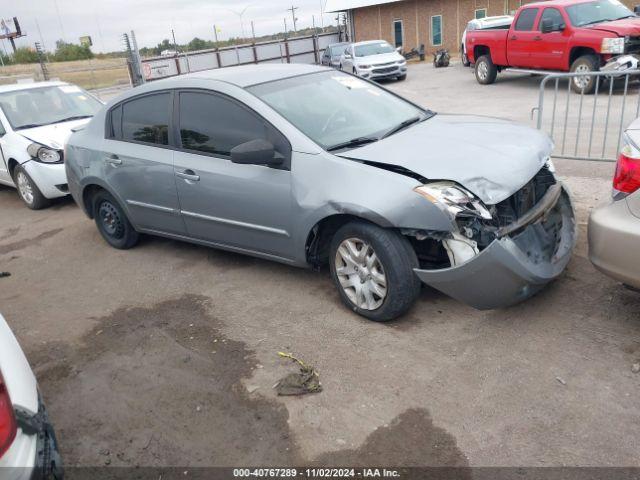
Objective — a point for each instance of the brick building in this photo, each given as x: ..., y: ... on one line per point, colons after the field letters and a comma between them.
x: 409, y: 23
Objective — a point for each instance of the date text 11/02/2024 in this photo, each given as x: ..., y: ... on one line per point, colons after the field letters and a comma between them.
x: 315, y: 473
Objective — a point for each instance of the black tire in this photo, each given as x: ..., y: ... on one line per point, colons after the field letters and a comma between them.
x: 587, y: 62
x: 463, y: 56
x: 486, y: 71
x: 112, y: 222
x: 355, y: 72
x: 402, y: 78
x: 29, y: 193
x: 397, y: 259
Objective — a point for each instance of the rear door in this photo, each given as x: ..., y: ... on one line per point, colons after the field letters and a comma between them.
x: 550, y: 51
x: 243, y: 206
x: 138, y: 161
x: 522, y: 38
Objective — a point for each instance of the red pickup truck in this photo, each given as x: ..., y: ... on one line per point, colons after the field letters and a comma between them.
x: 561, y: 35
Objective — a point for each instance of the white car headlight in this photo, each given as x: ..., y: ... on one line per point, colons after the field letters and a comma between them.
x: 43, y: 154
x: 454, y: 199
x: 612, y: 45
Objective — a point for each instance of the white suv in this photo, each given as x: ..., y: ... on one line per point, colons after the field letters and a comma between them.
x: 36, y: 119
x: 28, y: 446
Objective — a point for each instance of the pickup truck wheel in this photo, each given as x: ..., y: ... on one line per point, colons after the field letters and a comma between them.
x: 372, y: 268
x: 585, y: 64
x: 465, y: 59
x: 486, y: 71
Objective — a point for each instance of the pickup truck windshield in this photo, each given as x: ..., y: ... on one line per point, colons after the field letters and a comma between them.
x: 373, y: 49
x: 34, y: 107
x: 337, y: 110
x: 599, y: 11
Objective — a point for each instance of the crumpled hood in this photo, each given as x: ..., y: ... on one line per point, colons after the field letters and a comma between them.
x: 622, y: 28
x: 492, y: 158
x: 55, y: 135
x: 378, y: 59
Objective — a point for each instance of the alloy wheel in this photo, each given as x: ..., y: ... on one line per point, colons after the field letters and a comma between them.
x: 25, y: 188
x: 361, y: 274
x: 582, y: 82
x: 483, y: 70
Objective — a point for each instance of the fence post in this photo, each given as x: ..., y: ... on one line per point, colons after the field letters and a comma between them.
x: 316, y: 52
x: 286, y: 50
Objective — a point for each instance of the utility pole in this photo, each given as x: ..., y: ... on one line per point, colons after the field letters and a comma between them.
x: 293, y: 15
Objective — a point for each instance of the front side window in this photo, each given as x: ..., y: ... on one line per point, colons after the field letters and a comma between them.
x: 35, y: 107
x: 144, y: 119
x: 554, y: 15
x: 591, y: 13
x: 377, y: 48
x: 526, y: 20
x: 215, y: 124
x: 332, y: 108
x: 436, y: 30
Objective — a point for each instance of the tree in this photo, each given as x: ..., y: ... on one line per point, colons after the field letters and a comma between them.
x: 25, y: 55
x: 69, y: 51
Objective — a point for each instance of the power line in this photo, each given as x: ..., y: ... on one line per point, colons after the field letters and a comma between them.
x: 55, y: 3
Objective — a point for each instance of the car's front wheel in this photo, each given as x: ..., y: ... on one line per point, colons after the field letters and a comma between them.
x: 585, y: 83
x: 372, y: 268
x: 28, y: 190
x: 112, y: 222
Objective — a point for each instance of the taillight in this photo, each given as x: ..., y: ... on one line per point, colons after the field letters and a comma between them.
x: 8, y: 426
x: 627, y: 177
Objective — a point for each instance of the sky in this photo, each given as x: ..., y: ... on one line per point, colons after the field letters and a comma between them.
x: 105, y: 21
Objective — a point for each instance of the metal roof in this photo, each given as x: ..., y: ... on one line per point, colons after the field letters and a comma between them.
x: 342, y: 5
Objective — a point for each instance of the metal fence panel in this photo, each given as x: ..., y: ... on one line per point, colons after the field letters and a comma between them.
x: 588, y: 126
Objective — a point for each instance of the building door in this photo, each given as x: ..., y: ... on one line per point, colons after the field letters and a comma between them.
x: 397, y: 33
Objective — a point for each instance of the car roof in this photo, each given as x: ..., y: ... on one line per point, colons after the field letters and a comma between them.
x: 248, y: 75
x: 368, y: 42
x: 29, y: 86
x: 556, y: 3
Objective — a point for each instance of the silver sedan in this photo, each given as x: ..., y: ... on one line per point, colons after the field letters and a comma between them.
x: 310, y: 166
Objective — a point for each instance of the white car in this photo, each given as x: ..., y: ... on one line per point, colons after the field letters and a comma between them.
x: 487, y: 23
x: 36, y: 119
x: 28, y: 445
x: 374, y: 60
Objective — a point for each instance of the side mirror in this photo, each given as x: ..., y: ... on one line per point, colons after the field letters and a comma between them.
x: 547, y: 25
x: 347, y: 55
x: 255, y: 152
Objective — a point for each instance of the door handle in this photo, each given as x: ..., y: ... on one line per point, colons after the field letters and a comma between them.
x: 189, y: 175
x: 537, y: 39
x: 514, y: 37
x: 113, y: 160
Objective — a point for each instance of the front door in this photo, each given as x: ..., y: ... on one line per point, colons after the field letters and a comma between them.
x: 522, y: 39
x: 138, y: 164
x: 242, y: 206
x: 550, y: 53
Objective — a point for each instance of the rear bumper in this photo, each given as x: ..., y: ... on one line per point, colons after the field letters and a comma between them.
x: 34, y: 454
x: 614, y: 242
x: 503, y: 274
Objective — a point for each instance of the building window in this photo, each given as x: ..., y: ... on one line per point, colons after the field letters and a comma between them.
x: 436, y: 30
x: 481, y: 13
x: 397, y: 33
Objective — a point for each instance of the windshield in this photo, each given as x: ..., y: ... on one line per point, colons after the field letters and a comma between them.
x: 333, y: 108
x: 337, y: 50
x: 373, y: 49
x: 596, y: 12
x: 45, y: 105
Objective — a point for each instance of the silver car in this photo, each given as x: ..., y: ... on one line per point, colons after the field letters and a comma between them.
x: 374, y: 60
x: 310, y: 166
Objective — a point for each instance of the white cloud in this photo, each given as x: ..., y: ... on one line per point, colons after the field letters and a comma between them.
x: 152, y: 20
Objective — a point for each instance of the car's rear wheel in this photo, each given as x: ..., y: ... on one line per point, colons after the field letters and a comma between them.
x: 28, y: 190
x: 587, y: 83
x: 486, y: 71
x: 465, y: 59
x: 372, y: 269
x: 112, y: 222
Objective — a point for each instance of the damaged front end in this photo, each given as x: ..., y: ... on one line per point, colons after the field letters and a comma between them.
x: 501, y: 254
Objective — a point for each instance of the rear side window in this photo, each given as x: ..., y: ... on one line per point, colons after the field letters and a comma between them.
x: 526, y: 20
x: 144, y: 119
x: 215, y: 124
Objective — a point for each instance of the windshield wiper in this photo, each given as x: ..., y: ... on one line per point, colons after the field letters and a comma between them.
x: 30, y: 125
x: 403, y: 125
x: 69, y: 119
x: 354, y: 142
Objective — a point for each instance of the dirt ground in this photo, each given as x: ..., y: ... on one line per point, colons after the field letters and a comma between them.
x: 167, y: 354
